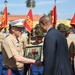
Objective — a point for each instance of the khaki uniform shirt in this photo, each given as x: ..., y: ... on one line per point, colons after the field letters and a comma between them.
x: 1, y: 39
x: 24, y: 41
x: 69, y: 40
x: 71, y: 48
x: 11, y: 47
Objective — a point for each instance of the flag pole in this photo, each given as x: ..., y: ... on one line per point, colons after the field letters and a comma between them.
x: 55, y: 10
x: 55, y: 2
x: 5, y: 2
x: 6, y: 28
x: 29, y: 24
x: 29, y: 34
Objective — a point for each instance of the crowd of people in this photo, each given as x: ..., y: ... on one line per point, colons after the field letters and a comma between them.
x: 56, y: 53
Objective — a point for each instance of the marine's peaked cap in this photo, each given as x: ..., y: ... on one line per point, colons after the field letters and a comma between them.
x: 17, y: 23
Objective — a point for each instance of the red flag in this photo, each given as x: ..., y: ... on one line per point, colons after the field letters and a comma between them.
x: 54, y: 15
x: 29, y: 21
x: 4, y: 18
x: 73, y: 21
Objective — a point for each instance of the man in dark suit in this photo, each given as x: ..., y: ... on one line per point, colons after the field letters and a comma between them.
x: 55, y: 50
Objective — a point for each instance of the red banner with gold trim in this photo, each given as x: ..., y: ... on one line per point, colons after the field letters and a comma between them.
x: 4, y: 18
x: 54, y: 18
x: 29, y: 21
x: 72, y: 23
x: 73, y: 20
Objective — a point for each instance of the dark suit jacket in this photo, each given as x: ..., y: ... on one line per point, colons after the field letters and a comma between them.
x: 56, y: 56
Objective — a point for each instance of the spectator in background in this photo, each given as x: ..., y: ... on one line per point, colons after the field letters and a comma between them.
x: 71, y: 46
x: 1, y: 57
x: 72, y: 33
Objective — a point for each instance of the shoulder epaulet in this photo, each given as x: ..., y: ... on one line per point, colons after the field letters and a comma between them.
x: 6, y: 36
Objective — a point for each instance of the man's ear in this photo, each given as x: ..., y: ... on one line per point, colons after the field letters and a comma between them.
x: 44, y: 23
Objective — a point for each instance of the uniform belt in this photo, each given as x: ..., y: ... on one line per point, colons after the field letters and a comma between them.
x: 0, y: 52
x: 13, y: 68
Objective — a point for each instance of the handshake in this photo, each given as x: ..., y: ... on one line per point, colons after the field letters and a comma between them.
x: 38, y: 63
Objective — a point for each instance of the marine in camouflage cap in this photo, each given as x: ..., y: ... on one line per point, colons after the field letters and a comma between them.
x: 38, y: 34
x: 64, y: 29
x: 61, y: 27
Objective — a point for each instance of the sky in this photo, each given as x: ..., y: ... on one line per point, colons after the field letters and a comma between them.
x: 65, y: 8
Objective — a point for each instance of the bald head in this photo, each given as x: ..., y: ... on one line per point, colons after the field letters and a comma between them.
x: 45, y: 23
x: 45, y: 20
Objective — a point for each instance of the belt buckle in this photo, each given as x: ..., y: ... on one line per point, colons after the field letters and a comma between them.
x: 13, y: 68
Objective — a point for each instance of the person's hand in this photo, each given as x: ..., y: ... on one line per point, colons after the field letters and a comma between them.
x: 38, y: 63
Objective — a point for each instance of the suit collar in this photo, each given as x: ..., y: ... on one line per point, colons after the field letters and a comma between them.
x: 51, y: 28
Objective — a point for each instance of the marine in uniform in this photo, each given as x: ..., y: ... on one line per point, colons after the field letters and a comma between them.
x: 23, y: 37
x: 13, y: 50
x: 1, y: 39
x: 37, y: 41
x: 38, y: 69
x: 70, y: 41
